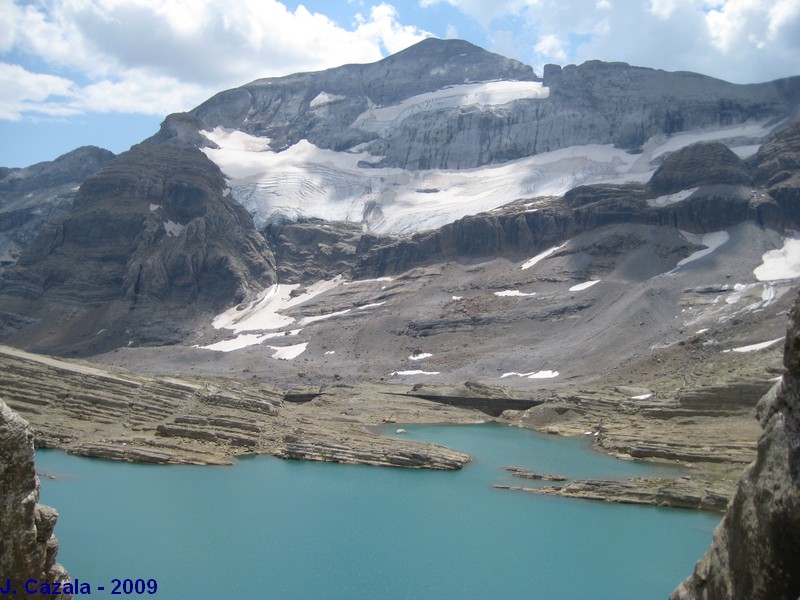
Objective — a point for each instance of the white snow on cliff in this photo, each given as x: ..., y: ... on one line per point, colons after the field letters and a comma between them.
x: 486, y: 94
x: 306, y: 181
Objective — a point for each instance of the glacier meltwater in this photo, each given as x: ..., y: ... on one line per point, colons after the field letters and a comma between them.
x: 268, y: 528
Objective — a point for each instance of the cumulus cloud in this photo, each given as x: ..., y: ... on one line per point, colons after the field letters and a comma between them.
x: 20, y: 90
x: 738, y: 40
x: 158, y: 56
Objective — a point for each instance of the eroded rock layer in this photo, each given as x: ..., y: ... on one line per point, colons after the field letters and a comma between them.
x: 756, y: 548
x: 27, y: 545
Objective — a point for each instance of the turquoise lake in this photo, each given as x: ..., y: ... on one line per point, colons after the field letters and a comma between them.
x: 268, y: 528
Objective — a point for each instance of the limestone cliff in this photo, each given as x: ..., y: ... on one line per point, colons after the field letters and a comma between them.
x: 151, y: 243
x: 27, y: 545
x: 593, y: 103
x: 32, y: 196
x: 756, y: 549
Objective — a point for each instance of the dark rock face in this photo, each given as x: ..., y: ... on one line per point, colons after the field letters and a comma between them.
x: 27, y: 545
x: 777, y: 167
x: 594, y: 103
x: 151, y: 243
x: 698, y: 165
x: 756, y: 548
x: 313, y: 250
x: 32, y: 196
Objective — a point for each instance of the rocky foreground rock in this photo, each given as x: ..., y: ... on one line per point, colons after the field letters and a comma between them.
x: 28, y: 547
x: 756, y: 549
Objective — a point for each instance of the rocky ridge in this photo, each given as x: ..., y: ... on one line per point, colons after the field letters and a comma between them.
x: 593, y: 103
x: 119, y: 415
x: 28, y: 547
x: 754, y: 552
x: 151, y: 243
x: 32, y: 196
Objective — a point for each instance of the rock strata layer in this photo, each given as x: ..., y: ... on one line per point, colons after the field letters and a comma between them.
x: 756, y: 549
x: 120, y: 415
x: 27, y: 545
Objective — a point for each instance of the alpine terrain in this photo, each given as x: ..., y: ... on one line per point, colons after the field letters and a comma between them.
x: 443, y: 235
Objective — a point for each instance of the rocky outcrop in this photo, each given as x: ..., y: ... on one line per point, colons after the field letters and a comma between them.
x: 777, y: 167
x: 32, y: 196
x: 698, y: 165
x: 756, y: 548
x: 682, y: 492
x: 151, y: 243
x: 28, y: 547
x: 119, y: 415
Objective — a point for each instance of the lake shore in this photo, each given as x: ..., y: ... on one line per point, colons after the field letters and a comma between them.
x: 111, y: 413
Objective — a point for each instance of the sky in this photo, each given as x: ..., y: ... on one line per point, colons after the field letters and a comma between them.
x: 107, y: 72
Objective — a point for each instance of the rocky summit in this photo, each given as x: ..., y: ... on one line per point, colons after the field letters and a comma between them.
x: 444, y: 235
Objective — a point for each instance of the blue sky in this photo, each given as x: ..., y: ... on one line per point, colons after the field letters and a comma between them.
x: 106, y: 72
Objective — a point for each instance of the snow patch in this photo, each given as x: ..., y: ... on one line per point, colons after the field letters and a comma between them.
x: 324, y: 98
x: 313, y: 319
x: 154, y: 207
x: 372, y: 305
x: 457, y: 298
x: 263, y: 313
x: 421, y: 356
x: 755, y: 347
x: 532, y: 375
x: 413, y: 372
x: 173, y: 229
x: 783, y: 263
x: 513, y: 294
x: 289, y: 352
x: 711, y: 241
x: 584, y: 286
x: 541, y: 256
x: 671, y: 198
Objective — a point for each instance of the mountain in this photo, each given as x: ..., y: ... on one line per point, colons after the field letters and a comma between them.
x: 32, y: 196
x: 434, y: 158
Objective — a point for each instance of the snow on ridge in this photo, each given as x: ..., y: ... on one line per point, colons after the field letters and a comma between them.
x: 306, y: 181
x: 489, y: 93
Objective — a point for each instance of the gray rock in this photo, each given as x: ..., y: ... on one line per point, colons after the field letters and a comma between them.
x: 27, y: 545
x: 756, y: 549
x: 594, y: 103
x: 32, y: 196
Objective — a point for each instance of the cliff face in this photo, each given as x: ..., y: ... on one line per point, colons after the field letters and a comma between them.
x: 593, y: 103
x: 151, y: 242
x: 27, y: 545
x: 756, y: 549
x: 32, y: 196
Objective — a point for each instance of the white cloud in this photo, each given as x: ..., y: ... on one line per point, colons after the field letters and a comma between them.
x: 743, y: 41
x: 550, y: 47
x: 160, y: 56
x: 21, y: 90
x: 485, y: 11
